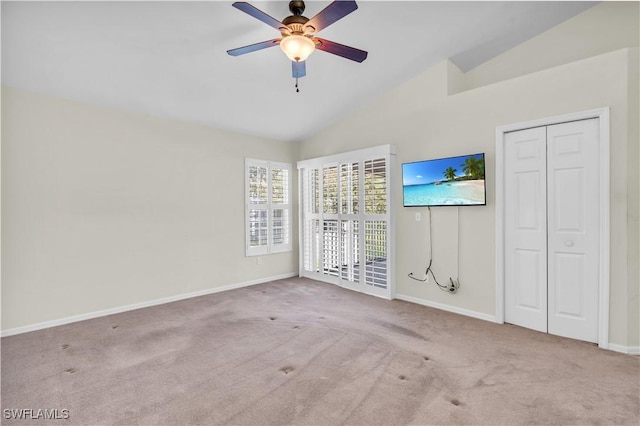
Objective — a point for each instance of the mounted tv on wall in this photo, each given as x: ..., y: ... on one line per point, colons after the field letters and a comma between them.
x: 452, y: 181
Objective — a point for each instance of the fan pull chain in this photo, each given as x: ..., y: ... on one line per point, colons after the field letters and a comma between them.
x: 297, y: 90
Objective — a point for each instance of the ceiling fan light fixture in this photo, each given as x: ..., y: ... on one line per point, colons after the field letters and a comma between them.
x: 297, y: 47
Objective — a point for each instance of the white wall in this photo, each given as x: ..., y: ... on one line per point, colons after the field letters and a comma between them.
x: 424, y: 121
x: 603, y: 28
x: 103, y: 208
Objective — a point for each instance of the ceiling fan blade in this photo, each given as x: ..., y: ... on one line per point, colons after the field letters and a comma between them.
x: 340, y: 49
x: 258, y: 14
x: 298, y: 69
x: 330, y: 14
x: 253, y: 47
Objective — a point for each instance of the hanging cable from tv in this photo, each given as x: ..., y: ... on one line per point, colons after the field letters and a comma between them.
x: 453, y: 286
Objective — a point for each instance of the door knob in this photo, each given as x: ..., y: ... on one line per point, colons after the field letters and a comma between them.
x: 568, y: 243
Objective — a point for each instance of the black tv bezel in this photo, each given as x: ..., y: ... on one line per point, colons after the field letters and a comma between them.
x: 484, y: 160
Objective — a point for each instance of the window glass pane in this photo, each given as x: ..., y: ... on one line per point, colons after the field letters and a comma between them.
x: 279, y: 186
x: 314, y: 177
x: 375, y: 186
x: 330, y: 247
x: 375, y: 251
x: 280, y: 226
x: 330, y: 187
x: 258, y: 227
x: 258, y: 189
x: 349, y: 188
x: 350, y: 250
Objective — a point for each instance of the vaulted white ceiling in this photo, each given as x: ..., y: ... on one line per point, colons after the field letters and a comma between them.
x: 169, y: 58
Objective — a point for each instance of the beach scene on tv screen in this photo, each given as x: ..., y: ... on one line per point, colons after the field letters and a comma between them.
x: 445, y: 181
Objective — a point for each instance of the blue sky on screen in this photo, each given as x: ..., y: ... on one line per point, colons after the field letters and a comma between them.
x: 428, y: 171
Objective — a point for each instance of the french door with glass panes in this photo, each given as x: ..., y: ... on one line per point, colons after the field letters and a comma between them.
x: 346, y: 226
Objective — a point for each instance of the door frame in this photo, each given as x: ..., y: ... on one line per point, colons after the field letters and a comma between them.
x: 604, y: 226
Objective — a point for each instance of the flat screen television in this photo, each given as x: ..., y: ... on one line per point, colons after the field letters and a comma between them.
x: 452, y: 181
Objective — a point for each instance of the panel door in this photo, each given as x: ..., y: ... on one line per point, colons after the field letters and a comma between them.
x: 573, y: 235
x: 526, y: 229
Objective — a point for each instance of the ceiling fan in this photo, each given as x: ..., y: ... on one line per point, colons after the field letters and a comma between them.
x: 298, y: 39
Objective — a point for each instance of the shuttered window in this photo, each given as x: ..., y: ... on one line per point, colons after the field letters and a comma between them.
x: 346, y: 222
x: 267, y: 207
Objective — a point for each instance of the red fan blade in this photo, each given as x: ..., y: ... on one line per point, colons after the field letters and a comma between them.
x: 330, y: 14
x: 253, y: 47
x: 298, y: 69
x: 340, y: 49
x: 258, y: 14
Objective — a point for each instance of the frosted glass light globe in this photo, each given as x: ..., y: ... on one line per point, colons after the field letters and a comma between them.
x: 297, y: 47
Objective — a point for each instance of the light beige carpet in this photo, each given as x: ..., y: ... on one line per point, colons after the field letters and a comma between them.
x: 306, y: 353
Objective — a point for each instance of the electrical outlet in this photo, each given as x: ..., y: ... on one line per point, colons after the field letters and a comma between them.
x: 418, y: 216
x: 259, y: 260
x: 453, y: 285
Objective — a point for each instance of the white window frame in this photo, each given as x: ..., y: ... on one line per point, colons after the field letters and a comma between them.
x: 270, y: 207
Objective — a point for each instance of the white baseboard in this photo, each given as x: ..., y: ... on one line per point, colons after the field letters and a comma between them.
x: 629, y: 350
x: 119, y: 309
x: 448, y: 308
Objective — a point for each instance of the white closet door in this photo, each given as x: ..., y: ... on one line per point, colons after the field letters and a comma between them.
x: 526, y: 229
x: 552, y: 229
x: 573, y: 237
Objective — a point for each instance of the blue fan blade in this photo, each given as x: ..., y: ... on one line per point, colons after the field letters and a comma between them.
x: 258, y: 14
x: 330, y: 14
x: 298, y: 69
x: 253, y: 47
x: 340, y: 49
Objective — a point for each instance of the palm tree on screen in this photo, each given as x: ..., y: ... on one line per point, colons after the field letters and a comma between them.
x: 473, y: 167
x: 450, y: 173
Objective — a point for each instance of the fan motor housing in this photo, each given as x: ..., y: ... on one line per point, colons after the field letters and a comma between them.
x: 296, y: 7
x: 295, y: 19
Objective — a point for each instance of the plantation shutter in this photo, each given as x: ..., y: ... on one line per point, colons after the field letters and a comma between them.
x: 310, y: 204
x: 375, y: 228
x: 345, y: 220
x: 280, y: 208
x: 267, y: 207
